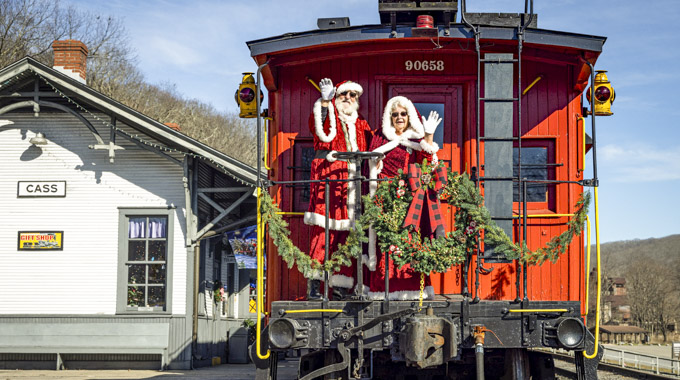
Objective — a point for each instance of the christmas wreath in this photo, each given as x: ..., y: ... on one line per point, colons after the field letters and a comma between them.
x: 388, y: 209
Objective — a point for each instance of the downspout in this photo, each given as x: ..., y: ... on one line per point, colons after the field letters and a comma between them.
x: 189, y: 216
x: 194, y: 327
x: 197, y: 254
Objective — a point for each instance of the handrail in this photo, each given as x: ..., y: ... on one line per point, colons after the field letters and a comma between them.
x: 583, y: 138
x: 260, y: 275
x: 587, y: 265
x: 597, y: 224
x: 260, y: 231
x: 545, y: 215
x: 267, y: 120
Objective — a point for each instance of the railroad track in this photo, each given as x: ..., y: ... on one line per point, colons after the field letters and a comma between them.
x: 564, y: 369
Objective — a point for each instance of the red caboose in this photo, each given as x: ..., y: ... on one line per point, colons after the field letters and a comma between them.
x: 510, y: 96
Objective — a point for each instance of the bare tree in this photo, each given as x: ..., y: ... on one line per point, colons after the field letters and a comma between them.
x: 652, y: 295
x: 28, y: 28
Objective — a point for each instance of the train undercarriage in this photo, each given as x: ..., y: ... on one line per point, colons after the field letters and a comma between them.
x: 446, y: 338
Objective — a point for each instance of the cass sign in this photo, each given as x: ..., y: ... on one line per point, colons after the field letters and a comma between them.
x: 41, y: 189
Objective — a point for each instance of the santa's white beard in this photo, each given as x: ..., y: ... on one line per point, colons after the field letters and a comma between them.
x: 347, y: 108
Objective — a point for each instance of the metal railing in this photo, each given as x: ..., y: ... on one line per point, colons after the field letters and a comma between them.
x: 635, y: 360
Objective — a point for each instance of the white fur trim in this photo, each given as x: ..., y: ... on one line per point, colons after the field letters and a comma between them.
x: 330, y: 157
x: 341, y: 281
x: 415, y: 129
x: 387, y: 147
x: 349, y: 86
x: 314, y: 219
x: 351, y: 192
x: 371, y: 260
x: 403, y: 295
x: 318, y: 122
x: 350, y: 130
x: 374, y: 168
x: 314, y: 275
x: 429, y: 148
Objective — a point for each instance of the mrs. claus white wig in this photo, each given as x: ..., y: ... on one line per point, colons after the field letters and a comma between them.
x: 415, y: 128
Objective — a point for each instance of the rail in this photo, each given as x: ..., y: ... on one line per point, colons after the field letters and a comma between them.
x: 634, y: 360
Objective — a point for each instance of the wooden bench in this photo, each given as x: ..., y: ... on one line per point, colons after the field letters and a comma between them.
x: 85, y: 338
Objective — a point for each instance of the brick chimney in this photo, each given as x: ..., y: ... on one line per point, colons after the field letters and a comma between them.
x: 70, y: 58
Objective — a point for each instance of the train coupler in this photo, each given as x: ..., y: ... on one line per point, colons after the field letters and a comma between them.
x: 428, y: 340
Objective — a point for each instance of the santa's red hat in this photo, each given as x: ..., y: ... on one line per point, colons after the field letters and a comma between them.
x: 348, y: 85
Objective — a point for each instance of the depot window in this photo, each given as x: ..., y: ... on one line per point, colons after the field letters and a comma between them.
x: 144, y: 261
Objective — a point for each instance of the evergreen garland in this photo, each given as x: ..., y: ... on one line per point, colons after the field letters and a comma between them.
x: 386, y: 211
x: 310, y: 268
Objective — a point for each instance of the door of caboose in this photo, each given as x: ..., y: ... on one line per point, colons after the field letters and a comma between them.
x: 447, y: 101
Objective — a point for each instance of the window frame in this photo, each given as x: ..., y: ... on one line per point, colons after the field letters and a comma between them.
x: 550, y: 204
x: 122, y: 272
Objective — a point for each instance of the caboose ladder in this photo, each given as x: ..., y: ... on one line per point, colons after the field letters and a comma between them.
x: 499, y: 107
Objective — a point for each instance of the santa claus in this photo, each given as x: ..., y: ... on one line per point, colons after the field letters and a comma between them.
x: 337, y: 127
x: 405, y: 138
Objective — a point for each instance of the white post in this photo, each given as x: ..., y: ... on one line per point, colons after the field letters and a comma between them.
x: 657, y: 365
x: 623, y: 362
x: 637, y: 361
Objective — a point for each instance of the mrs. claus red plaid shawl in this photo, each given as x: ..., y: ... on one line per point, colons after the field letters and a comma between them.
x: 418, y: 182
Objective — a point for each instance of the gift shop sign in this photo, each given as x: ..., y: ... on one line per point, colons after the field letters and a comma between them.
x: 41, y: 189
x: 41, y: 240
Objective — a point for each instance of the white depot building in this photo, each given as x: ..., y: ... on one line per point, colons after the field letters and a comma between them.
x: 112, y: 241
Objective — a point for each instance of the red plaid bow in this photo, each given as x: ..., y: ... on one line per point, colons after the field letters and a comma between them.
x: 418, y: 182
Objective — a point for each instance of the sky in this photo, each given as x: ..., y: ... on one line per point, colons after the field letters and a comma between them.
x: 199, y: 45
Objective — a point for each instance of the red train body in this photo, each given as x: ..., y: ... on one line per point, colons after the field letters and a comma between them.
x: 550, y: 118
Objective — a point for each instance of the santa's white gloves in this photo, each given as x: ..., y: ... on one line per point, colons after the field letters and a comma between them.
x: 327, y: 89
x: 431, y: 123
x: 331, y: 156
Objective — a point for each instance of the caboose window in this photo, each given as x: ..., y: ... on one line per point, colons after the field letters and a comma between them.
x: 534, y: 167
x: 425, y: 109
x: 144, y: 255
x: 303, y: 156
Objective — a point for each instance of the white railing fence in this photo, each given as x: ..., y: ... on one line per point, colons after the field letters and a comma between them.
x: 642, y: 362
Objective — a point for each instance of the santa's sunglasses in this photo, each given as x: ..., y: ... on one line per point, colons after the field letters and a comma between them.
x: 402, y: 113
x: 351, y: 94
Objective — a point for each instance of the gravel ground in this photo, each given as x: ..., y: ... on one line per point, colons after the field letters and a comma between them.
x: 601, y: 375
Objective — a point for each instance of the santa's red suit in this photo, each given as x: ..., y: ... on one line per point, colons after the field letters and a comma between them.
x: 338, y: 132
x: 400, y: 151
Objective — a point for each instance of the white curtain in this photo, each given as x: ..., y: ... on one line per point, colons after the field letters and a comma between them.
x: 157, y: 227
x: 137, y: 228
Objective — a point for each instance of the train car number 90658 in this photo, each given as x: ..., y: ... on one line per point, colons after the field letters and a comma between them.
x: 424, y: 65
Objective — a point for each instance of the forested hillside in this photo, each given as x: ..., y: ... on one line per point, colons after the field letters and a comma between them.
x: 28, y: 28
x: 619, y: 256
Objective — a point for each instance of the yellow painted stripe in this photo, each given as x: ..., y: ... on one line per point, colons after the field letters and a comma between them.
x: 538, y: 310
x: 315, y: 311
